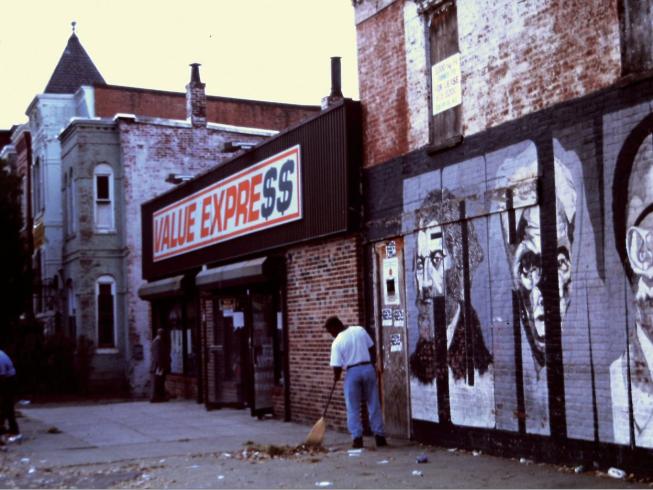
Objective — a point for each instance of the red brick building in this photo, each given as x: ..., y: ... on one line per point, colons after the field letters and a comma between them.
x: 266, y: 288
x: 508, y: 171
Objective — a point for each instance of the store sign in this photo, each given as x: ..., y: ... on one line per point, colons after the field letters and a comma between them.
x: 262, y: 196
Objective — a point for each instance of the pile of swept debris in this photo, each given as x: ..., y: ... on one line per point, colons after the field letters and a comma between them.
x: 254, y: 452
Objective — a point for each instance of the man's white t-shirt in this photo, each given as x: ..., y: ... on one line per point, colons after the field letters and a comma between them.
x: 351, y: 346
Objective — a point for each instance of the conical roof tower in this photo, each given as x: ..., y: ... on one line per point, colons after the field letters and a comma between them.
x: 75, y: 68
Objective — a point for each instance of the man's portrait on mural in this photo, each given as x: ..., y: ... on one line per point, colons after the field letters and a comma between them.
x: 524, y: 250
x: 633, y: 224
x: 439, y: 274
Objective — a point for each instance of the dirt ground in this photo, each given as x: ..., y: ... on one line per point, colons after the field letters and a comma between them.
x: 253, y: 467
x: 78, y: 456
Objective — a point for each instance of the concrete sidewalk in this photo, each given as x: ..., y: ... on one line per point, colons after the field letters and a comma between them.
x: 181, y: 445
x: 106, y: 432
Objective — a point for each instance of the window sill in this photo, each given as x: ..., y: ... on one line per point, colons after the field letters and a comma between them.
x: 105, y: 232
x: 431, y: 149
x: 107, y: 350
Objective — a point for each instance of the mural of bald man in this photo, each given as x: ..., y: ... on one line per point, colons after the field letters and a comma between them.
x: 524, y: 251
x: 633, y: 225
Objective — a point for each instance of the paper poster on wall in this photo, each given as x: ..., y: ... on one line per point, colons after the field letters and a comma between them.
x: 279, y: 320
x: 239, y: 319
x: 395, y: 342
x: 227, y: 312
x: 446, y: 89
x: 390, y: 281
x: 386, y: 317
x: 391, y: 249
x: 398, y: 317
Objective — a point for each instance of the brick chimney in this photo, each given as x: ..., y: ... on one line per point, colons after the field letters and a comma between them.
x: 335, y: 97
x: 196, y: 98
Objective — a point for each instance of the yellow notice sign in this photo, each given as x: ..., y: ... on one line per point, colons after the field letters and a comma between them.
x: 445, y: 79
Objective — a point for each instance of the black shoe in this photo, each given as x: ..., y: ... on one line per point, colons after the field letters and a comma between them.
x: 358, y: 443
x: 380, y: 441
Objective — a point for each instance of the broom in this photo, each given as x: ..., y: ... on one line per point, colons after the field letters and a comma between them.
x: 316, y: 435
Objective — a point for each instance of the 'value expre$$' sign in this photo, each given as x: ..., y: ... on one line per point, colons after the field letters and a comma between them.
x: 264, y: 195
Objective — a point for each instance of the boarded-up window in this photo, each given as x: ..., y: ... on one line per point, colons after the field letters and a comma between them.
x: 446, y: 90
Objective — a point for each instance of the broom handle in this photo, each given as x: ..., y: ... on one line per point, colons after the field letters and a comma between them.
x: 329, y: 400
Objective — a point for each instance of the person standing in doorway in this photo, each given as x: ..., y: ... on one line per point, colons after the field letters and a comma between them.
x: 160, y: 366
x: 7, y: 396
x: 352, y: 350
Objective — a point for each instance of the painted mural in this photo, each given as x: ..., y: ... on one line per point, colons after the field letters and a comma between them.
x: 477, y: 323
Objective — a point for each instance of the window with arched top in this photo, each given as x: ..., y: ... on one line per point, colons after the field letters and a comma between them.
x: 103, y: 190
x: 105, y: 294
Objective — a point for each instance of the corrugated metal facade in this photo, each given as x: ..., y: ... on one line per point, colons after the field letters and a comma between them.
x: 330, y: 152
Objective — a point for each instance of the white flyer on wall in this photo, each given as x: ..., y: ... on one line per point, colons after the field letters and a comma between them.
x: 445, y: 81
x: 395, y: 343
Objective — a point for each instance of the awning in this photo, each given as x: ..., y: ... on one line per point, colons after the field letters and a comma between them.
x: 249, y: 271
x: 170, y: 286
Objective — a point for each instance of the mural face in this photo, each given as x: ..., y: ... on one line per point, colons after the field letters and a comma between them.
x: 524, y: 250
x: 636, y: 212
x: 478, y: 330
x: 431, y: 262
x: 445, y: 257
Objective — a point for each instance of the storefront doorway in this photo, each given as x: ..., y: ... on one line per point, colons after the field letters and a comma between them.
x: 247, y: 348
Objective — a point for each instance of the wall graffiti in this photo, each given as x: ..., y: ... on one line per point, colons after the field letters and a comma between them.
x: 476, y: 318
x: 631, y: 382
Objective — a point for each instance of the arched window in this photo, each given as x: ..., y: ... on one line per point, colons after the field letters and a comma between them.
x: 103, y: 198
x: 105, y: 294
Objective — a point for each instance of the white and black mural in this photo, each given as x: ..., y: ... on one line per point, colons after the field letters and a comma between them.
x: 631, y: 383
x: 450, y: 346
x: 530, y: 281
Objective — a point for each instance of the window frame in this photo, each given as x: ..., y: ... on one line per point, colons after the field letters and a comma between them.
x: 104, y: 170
x: 101, y: 281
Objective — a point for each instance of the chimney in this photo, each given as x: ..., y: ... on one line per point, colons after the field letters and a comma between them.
x: 335, y: 97
x: 196, y: 98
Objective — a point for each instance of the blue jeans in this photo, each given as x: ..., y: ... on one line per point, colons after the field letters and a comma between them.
x: 360, y: 385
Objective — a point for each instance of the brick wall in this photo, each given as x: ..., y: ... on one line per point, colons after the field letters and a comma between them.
x: 382, y: 84
x: 591, y: 161
x: 149, y: 152
x: 323, y: 280
x: 110, y: 99
x: 516, y: 58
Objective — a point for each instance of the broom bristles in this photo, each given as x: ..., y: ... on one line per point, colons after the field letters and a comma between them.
x: 316, y: 435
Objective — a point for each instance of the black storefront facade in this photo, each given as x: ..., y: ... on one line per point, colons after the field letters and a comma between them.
x: 215, y: 260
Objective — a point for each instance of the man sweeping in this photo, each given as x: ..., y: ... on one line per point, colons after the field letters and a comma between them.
x: 352, y: 350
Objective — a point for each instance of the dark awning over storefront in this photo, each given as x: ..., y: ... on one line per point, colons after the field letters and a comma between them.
x: 248, y: 271
x: 170, y: 286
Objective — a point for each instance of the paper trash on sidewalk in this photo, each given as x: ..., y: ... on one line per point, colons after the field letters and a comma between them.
x: 417, y: 473
x: 323, y: 484
x: 355, y: 452
x: 220, y: 477
x: 616, y: 473
x: 383, y: 461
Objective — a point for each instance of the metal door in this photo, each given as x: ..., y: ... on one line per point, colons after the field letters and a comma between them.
x: 390, y: 320
x: 263, y: 323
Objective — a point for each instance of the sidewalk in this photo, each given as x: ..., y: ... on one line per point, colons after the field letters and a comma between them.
x: 181, y: 445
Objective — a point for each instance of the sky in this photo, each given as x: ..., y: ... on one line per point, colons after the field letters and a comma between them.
x: 277, y: 50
